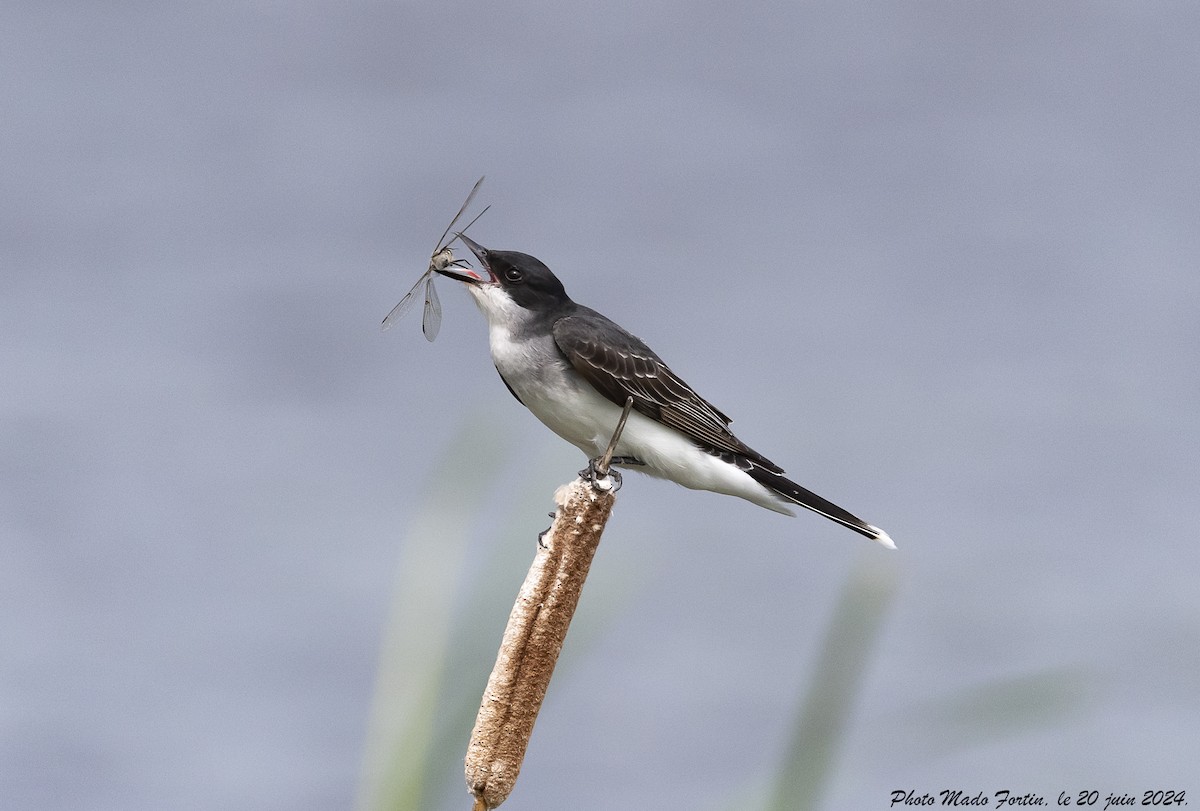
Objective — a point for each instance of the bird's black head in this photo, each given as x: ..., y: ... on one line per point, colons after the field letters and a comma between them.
x: 523, y: 278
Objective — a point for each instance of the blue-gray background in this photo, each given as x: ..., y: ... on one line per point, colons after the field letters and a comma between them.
x: 940, y: 260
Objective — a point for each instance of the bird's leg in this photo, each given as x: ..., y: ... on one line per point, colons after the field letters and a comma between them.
x: 600, y: 469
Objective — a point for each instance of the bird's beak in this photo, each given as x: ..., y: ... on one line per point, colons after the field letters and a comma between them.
x: 467, y: 275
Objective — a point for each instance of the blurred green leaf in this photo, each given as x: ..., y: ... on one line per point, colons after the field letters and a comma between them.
x: 413, y: 657
x: 1003, y: 708
x: 825, y: 712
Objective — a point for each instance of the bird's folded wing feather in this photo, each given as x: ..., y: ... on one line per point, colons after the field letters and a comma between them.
x: 632, y: 369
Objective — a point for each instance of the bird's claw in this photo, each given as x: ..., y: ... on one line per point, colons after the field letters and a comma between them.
x: 601, y: 481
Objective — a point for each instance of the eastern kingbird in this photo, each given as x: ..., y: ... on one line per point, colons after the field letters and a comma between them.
x: 575, y: 369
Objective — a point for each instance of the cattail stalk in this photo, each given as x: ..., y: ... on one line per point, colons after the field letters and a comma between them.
x: 535, y: 633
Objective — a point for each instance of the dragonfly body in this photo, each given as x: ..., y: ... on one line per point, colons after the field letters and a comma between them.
x: 441, y: 258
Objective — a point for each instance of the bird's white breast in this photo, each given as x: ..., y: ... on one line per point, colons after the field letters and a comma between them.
x: 553, y: 391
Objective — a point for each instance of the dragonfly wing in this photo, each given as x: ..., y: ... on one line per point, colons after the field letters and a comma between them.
x: 463, y: 208
x: 404, y: 306
x: 431, y: 322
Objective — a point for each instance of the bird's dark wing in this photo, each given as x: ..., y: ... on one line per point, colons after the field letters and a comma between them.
x: 510, y: 388
x: 620, y: 365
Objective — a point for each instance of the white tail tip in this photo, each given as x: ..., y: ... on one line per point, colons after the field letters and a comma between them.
x: 882, y: 538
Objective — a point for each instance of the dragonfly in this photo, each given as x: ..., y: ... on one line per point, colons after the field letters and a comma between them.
x: 441, y: 258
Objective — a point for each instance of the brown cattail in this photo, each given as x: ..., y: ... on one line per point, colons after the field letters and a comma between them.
x: 536, y: 629
x: 532, y: 641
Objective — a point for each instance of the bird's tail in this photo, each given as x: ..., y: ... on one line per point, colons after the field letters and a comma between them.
x: 790, y: 491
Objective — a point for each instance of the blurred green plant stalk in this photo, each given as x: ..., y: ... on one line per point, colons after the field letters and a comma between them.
x: 420, y: 695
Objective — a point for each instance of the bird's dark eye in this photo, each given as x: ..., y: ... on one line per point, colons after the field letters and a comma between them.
x: 514, y: 275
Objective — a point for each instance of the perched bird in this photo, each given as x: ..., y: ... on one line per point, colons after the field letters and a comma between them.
x: 575, y: 369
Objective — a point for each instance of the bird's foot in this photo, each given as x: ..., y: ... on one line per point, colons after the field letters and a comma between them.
x: 603, y: 481
x: 544, y: 532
